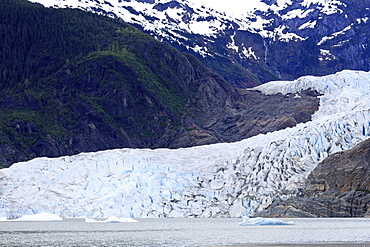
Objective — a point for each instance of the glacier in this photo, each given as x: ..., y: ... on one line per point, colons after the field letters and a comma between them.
x: 219, y: 180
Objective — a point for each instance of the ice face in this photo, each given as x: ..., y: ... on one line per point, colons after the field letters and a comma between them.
x: 217, y: 180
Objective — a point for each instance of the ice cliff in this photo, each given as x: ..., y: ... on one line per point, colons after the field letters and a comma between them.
x: 207, y: 181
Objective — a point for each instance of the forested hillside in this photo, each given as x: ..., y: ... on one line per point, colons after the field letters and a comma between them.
x: 74, y: 82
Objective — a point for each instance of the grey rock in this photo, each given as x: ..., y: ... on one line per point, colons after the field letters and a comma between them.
x: 338, y: 187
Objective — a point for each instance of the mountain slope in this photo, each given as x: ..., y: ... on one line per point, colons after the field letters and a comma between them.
x: 338, y: 187
x: 216, y: 180
x: 267, y: 40
x: 82, y: 82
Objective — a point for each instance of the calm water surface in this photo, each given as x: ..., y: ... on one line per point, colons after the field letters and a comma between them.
x: 184, y: 232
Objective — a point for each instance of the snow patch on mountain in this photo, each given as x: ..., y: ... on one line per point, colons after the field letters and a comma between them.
x: 327, y: 6
x: 296, y: 13
x: 310, y: 24
x: 325, y: 55
x: 232, y: 7
x: 204, y: 17
x: 334, y: 35
x: 362, y: 20
x: 281, y: 34
x: 189, y: 23
x: 217, y: 180
x: 248, y: 53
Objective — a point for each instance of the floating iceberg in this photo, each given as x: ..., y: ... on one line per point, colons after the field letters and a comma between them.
x: 112, y: 219
x: 247, y: 221
x: 36, y: 217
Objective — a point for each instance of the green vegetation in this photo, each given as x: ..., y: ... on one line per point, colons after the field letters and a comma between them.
x: 37, y: 41
x: 232, y: 71
x: 61, y: 69
x: 362, y: 190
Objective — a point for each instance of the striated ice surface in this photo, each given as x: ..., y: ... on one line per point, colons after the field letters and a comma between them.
x: 220, y: 180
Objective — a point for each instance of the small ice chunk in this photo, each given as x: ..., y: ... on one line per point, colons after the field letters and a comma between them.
x: 262, y: 222
x: 38, y: 217
x: 112, y: 219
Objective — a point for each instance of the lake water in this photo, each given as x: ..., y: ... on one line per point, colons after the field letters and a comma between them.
x: 185, y: 232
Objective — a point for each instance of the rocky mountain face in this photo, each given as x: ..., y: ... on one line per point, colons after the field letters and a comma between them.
x: 265, y: 40
x: 123, y: 89
x: 196, y: 108
x: 338, y: 187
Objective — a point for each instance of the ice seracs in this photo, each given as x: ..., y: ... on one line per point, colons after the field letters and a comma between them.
x: 220, y: 180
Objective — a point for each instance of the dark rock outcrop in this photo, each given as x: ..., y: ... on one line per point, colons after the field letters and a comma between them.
x: 96, y: 114
x: 338, y: 187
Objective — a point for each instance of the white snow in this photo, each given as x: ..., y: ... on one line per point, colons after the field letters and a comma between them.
x: 263, y: 222
x: 236, y: 8
x: 310, y: 24
x: 297, y: 13
x: 325, y: 55
x: 334, y: 35
x: 36, y: 217
x: 328, y: 6
x: 171, y: 20
x: 203, y: 27
x: 217, y: 180
x: 248, y: 53
x: 232, y: 45
x: 202, y: 50
x: 360, y: 20
x: 281, y: 34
